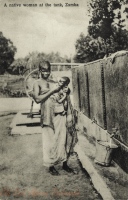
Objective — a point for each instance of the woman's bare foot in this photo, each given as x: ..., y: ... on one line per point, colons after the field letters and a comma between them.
x: 53, y: 171
x: 67, y: 168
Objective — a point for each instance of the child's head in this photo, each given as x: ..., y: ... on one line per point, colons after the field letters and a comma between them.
x: 64, y: 81
x: 65, y: 89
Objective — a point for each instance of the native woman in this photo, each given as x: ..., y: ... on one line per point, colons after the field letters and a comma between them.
x: 56, y: 142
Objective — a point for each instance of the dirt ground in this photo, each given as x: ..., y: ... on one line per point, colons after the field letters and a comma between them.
x: 24, y: 177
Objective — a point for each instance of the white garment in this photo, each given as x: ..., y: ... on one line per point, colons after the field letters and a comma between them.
x: 54, y: 142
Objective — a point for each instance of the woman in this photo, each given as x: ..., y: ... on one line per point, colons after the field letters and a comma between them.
x: 54, y: 135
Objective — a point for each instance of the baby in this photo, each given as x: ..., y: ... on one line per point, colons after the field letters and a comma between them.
x: 61, y: 104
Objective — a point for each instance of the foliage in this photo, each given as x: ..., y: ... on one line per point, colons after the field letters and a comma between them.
x: 55, y: 57
x: 102, y: 18
x: 31, y: 61
x: 18, y: 66
x: 13, y: 93
x: 126, y: 8
x: 106, y: 32
x: 7, y: 52
x: 87, y: 49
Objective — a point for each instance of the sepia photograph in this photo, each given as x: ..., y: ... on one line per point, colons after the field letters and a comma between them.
x: 64, y: 100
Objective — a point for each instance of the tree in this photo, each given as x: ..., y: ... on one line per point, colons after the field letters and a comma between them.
x: 126, y: 8
x: 34, y: 58
x: 106, y: 31
x: 7, y: 52
x: 18, y: 66
x: 22, y: 66
x: 55, y: 57
x: 103, y: 16
x: 32, y: 62
x: 88, y: 48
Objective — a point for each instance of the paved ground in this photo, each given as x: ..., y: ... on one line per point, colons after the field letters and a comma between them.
x: 23, y: 176
x: 17, y: 104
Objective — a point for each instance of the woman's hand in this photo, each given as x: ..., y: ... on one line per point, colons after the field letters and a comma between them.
x: 56, y: 89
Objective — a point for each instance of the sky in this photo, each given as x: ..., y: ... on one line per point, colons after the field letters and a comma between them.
x: 43, y: 29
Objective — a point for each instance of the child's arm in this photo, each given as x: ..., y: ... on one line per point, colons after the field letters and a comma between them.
x: 60, y: 100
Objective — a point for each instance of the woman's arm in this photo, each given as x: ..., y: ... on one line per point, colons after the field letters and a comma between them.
x: 42, y: 97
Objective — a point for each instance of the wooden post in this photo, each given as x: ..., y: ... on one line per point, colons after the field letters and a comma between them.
x: 103, y: 96
x: 88, y: 99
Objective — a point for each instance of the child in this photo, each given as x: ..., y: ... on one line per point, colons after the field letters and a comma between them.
x: 63, y: 106
x: 60, y: 98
